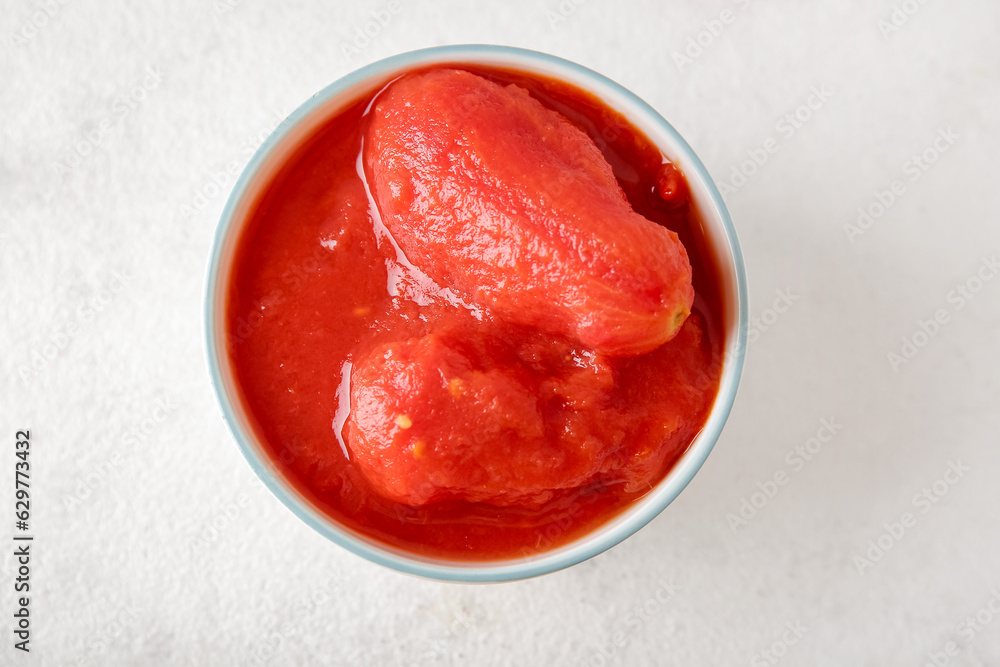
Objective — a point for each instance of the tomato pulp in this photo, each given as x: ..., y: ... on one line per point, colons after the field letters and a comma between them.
x: 321, y: 296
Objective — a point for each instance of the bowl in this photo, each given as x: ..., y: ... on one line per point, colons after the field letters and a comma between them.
x: 704, y: 195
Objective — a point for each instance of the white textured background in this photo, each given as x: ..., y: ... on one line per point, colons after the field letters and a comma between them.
x: 154, y: 544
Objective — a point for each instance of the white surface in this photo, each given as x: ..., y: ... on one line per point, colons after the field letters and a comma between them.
x: 133, y: 573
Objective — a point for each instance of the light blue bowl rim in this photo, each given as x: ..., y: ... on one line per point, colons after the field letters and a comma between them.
x: 494, y: 571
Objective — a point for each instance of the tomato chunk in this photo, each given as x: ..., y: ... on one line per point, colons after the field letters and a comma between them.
x: 462, y: 416
x: 511, y: 205
x: 509, y: 419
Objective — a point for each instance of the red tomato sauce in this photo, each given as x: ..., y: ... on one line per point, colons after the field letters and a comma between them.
x: 313, y: 289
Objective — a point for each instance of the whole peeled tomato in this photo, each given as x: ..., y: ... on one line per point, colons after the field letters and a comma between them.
x: 511, y: 205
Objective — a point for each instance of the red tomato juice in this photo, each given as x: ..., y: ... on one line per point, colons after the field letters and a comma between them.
x: 316, y: 285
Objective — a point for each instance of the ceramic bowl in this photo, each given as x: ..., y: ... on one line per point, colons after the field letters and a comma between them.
x: 300, y: 125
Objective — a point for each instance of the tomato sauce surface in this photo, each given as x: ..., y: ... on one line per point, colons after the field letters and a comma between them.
x: 315, y: 286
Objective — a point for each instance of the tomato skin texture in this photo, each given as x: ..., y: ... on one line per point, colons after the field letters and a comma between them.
x: 460, y: 415
x: 508, y: 203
